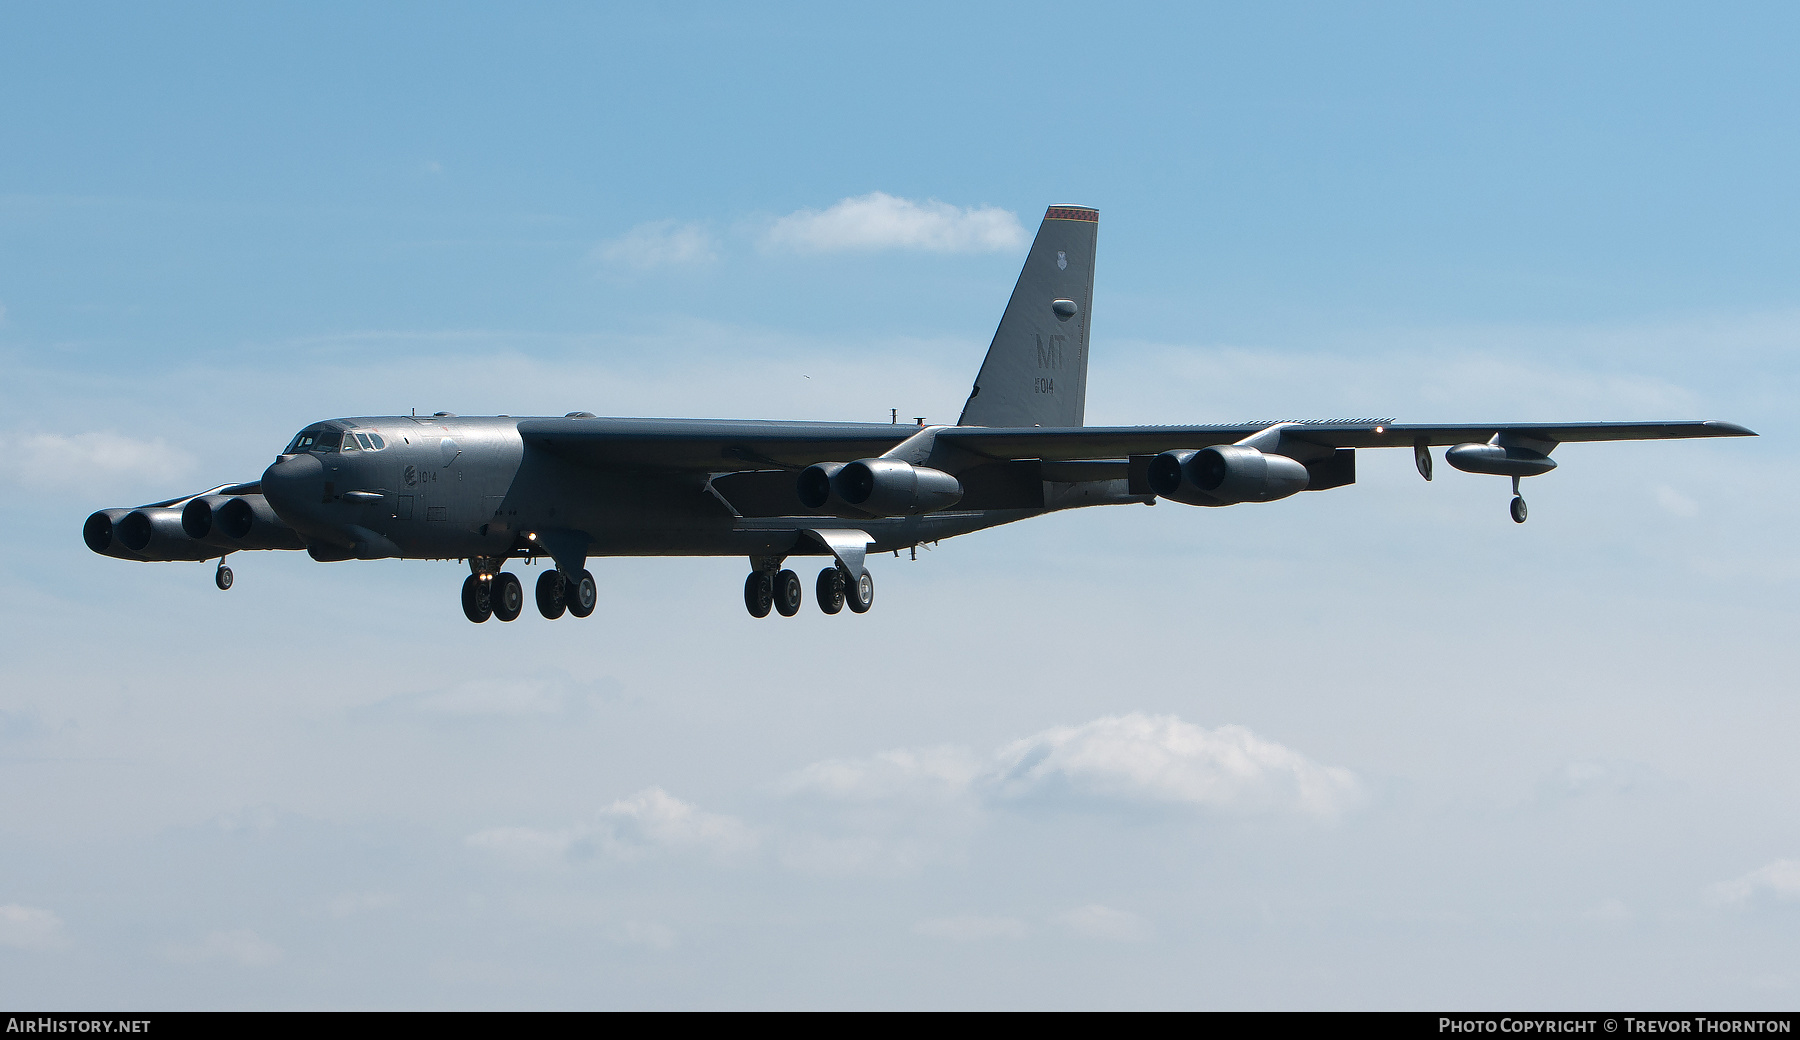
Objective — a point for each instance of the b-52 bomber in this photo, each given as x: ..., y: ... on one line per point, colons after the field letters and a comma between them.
x: 491, y: 490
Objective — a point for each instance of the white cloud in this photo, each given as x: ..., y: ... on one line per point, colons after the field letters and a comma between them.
x: 1780, y: 880
x: 648, y: 823
x: 660, y: 243
x: 1120, y: 758
x: 31, y: 928
x: 1675, y: 502
x: 971, y: 929
x: 1104, y: 922
x: 933, y: 773
x: 79, y: 459
x: 241, y: 946
x: 1159, y: 758
x: 882, y: 221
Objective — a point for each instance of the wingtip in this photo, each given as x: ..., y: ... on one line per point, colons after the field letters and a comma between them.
x: 1730, y: 429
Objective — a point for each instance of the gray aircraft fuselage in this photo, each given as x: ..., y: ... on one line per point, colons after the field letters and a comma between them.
x: 454, y: 487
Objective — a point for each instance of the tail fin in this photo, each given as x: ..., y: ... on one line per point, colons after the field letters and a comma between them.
x: 1036, y: 368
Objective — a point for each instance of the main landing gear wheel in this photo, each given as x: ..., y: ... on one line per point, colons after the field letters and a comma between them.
x: 222, y: 578
x: 477, y: 604
x: 507, y: 596
x: 583, y: 595
x: 1518, y: 510
x: 859, y: 595
x: 787, y: 593
x: 550, y: 599
x: 759, y: 594
x: 830, y: 590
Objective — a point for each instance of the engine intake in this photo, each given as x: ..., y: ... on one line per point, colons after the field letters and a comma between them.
x: 1224, y: 475
x: 101, y: 533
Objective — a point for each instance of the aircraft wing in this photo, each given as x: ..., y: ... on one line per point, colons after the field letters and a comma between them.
x: 706, y: 445
x: 1103, y: 442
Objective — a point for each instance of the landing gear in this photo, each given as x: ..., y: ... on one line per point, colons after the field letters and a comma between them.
x: 550, y: 600
x: 477, y: 605
x: 759, y: 594
x: 787, y: 593
x: 830, y: 590
x: 222, y: 577
x: 583, y: 596
x: 1518, y: 504
x: 506, y: 596
x: 769, y: 589
x: 859, y: 595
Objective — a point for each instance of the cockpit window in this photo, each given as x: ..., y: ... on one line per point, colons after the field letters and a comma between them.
x: 318, y: 438
x: 363, y: 439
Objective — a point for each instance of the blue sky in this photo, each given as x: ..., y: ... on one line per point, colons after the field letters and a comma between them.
x: 1481, y: 764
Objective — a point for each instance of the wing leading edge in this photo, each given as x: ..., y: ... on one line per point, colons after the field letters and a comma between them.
x: 722, y: 446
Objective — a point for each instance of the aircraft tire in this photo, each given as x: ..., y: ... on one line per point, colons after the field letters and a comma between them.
x: 507, y: 596
x: 1518, y: 510
x: 830, y: 590
x: 585, y: 596
x: 788, y: 593
x: 859, y: 595
x: 477, y: 604
x: 550, y: 601
x: 759, y: 594
x: 222, y: 578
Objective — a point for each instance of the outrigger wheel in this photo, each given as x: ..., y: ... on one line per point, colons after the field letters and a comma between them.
x: 1518, y: 503
x: 222, y: 577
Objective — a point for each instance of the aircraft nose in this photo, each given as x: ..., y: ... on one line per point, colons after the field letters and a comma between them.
x: 293, y: 483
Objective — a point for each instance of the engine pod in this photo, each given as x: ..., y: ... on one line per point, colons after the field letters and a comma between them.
x: 157, y: 534
x: 890, y: 487
x: 1225, y: 475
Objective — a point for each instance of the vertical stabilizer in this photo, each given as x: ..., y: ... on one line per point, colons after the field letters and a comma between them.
x: 1035, y: 373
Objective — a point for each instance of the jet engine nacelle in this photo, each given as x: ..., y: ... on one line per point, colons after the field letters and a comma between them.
x: 877, y: 487
x: 155, y: 533
x: 1499, y: 459
x: 234, y: 522
x: 1224, y: 475
x: 101, y: 533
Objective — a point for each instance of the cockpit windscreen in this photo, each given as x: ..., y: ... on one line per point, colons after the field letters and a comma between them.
x: 316, y: 438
